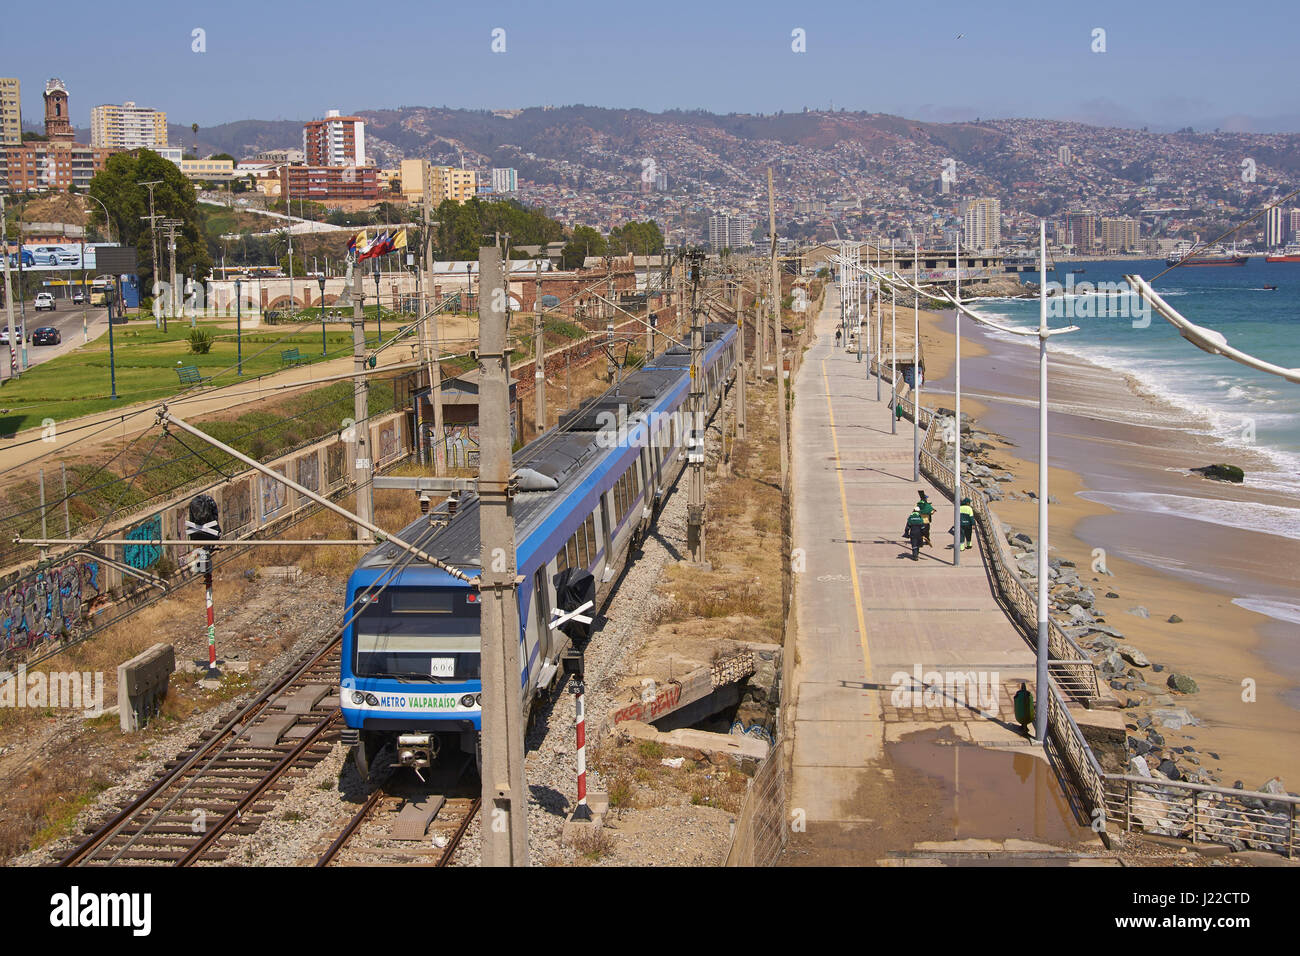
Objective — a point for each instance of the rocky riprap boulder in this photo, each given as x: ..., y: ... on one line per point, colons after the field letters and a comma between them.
x: 1221, y: 472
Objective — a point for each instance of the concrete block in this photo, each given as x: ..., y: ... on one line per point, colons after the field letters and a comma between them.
x: 142, y: 684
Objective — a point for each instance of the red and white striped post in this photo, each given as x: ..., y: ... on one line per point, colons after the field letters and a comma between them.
x: 212, y: 626
x: 579, y: 689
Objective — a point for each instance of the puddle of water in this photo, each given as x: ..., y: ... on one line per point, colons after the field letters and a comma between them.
x: 975, y: 792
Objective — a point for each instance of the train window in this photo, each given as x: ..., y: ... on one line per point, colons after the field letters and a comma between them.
x: 421, y: 601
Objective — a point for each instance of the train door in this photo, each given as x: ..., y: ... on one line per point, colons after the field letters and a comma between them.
x: 542, y: 613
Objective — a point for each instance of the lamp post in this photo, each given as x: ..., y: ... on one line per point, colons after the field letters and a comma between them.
x: 239, y: 330
x: 916, y: 357
x: 893, y: 361
x: 956, y: 438
x: 112, y: 365
x: 1040, y: 718
x: 324, y: 349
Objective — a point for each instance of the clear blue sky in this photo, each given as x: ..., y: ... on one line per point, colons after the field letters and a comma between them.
x: 1166, y: 64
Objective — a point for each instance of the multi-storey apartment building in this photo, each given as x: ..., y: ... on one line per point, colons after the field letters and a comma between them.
x: 505, y: 180
x: 1120, y: 234
x: 11, y: 111
x: 730, y: 232
x: 417, y: 180
x: 330, y: 183
x: 127, y: 127
x: 449, y: 182
x: 983, y: 224
x: 335, y: 141
x: 57, y: 163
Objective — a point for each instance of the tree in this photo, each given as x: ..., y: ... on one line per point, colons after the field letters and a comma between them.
x: 195, y: 128
x: 586, y: 241
x: 463, y: 227
x: 117, y: 187
x: 636, y: 238
x: 297, y: 268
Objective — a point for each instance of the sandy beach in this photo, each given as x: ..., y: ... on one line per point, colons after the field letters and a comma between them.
x: 1118, y: 458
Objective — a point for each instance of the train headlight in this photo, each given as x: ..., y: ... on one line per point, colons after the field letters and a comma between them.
x: 372, y: 700
x: 358, y: 697
x: 478, y: 700
x: 467, y: 700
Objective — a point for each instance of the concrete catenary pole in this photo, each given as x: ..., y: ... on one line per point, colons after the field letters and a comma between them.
x: 505, y: 810
x: 360, y: 450
x: 539, y: 357
x: 776, y: 338
x: 695, y: 449
x: 740, y: 374
x: 1041, y: 689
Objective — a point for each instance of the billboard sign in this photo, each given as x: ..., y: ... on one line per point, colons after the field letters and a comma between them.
x: 60, y: 256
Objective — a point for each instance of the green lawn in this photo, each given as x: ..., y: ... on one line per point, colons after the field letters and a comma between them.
x: 146, y: 360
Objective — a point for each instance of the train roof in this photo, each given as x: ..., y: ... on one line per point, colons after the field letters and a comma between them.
x: 565, y: 455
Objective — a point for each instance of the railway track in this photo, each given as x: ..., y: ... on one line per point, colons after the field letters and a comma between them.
x: 370, y: 836
x: 224, y: 785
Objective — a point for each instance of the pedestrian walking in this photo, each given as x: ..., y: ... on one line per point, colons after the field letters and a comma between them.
x: 837, y: 338
x: 967, y: 523
x: 915, y: 532
x: 927, y: 512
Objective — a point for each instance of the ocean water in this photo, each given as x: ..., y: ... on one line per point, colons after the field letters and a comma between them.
x: 1240, y: 406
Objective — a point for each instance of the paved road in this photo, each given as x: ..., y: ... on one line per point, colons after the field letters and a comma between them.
x: 881, y: 777
x: 67, y: 318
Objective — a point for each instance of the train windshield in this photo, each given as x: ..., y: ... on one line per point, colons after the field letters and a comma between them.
x: 414, y: 633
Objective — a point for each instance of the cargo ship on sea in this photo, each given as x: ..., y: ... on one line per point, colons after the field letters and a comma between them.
x: 1290, y: 254
x: 1209, y: 256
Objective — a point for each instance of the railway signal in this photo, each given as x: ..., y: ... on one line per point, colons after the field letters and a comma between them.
x: 202, y: 526
x: 574, y: 666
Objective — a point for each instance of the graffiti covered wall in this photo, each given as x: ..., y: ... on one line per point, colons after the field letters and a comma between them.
x: 46, y: 605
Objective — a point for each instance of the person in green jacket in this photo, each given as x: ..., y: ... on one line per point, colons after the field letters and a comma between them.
x: 967, y: 523
x: 915, y: 531
x: 927, y: 512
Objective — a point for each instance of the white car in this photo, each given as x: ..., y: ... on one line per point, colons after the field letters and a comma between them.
x: 44, y: 301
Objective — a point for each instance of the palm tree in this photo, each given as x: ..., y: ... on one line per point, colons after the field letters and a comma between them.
x: 194, y: 127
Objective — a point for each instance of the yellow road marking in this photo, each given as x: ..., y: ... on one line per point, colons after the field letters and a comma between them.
x: 848, y: 531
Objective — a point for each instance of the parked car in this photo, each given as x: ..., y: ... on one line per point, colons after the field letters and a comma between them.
x: 28, y: 258
x: 46, y: 335
x: 44, y: 301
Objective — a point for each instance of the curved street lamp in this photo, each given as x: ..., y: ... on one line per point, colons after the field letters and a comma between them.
x: 1206, y: 339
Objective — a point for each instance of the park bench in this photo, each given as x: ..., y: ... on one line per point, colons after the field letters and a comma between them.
x: 291, y: 357
x: 189, y: 375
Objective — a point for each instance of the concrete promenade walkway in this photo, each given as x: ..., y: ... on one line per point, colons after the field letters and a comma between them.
x: 937, y: 775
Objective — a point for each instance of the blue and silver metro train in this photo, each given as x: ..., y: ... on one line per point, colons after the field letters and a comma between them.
x: 589, y: 489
